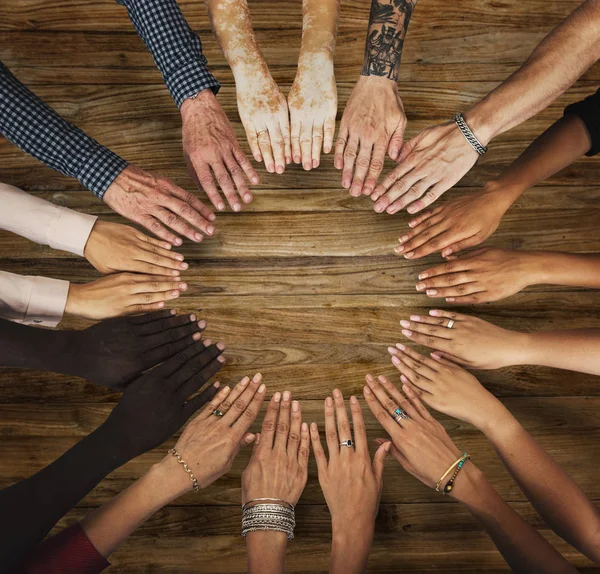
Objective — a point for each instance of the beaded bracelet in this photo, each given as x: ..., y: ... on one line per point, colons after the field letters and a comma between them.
x: 450, y: 484
x: 195, y: 485
x: 439, y: 482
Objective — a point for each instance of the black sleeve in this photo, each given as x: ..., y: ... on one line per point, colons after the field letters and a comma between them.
x: 589, y: 112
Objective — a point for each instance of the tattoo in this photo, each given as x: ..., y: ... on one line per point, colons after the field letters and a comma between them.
x: 388, y: 24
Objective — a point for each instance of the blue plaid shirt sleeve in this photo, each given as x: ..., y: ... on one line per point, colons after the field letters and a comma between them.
x: 39, y: 131
x: 176, y: 50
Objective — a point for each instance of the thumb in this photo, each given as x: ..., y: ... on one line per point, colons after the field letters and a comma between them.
x: 396, y: 143
x: 379, y: 460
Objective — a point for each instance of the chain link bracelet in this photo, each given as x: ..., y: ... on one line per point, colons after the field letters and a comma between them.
x: 195, y: 485
x: 469, y: 135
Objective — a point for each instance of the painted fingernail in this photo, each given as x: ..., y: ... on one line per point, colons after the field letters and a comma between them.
x: 431, y: 292
x: 423, y: 275
x: 401, y: 346
x: 435, y: 313
x: 421, y: 286
x: 396, y: 360
x: 256, y: 378
x: 210, y: 229
x: 207, y: 342
x: 221, y: 346
x: 353, y: 400
x: 409, y: 254
x: 407, y: 333
x: 202, y: 324
x: 329, y: 401
x: 295, y: 406
x: 392, y: 350
x: 184, y: 266
x: 221, y: 359
x: 261, y: 389
x: 244, y: 381
x: 277, y: 397
x: 450, y: 299
x: 236, y: 207
x: 367, y: 391
x: 405, y: 323
x: 286, y: 396
x: 221, y: 206
x: 403, y: 379
x: 415, y: 317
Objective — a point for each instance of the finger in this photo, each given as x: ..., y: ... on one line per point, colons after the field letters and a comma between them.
x: 295, y: 430
x: 328, y: 133
x: 386, y: 421
x: 362, y: 166
x: 331, y: 435
x: 455, y: 266
x: 264, y: 143
x: 340, y: 146
x: 343, y: 424
x: 295, y: 139
x: 417, y: 404
x: 226, y: 184
x: 417, y: 189
x: 317, y: 144
x: 206, y: 181
x: 429, y: 327
x: 283, y: 422
x: 428, y: 340
x: 169, y: 331
x: 400, y: 192
x: 247, y: 167
x: 360, y: 430
x: 390, y: 179
x: 396, y: 141
x: 447, y: 359
x: 304, y: 448
x: 159, y: 318
x: 441, y: 281
x: 461, y: 245
x: 396, y: 453
x: 278, y: 147
x: 413, y: 373
x: 240, y: 404
x: 157, y: 243
x: 270, y: 422
x: 197, y: 402
x: 239, y: 179
x: 153, y: 260
x: 375, y: 169
x: 430, y: 367
x: 215, y: 402
x: 434, y: 193
x: 287, y: 144
x: 134, y: 302
x: 234, y: 395
x: 166, y: 350
x: 306, y: 129
x: 172, y: 365
x: 252, y: 138
x: 317, y: 447
x: 480, y: 297
x: 141, y: 308
x: 153, y: 225
x: 415, y: 222
x: 151, y: 283
x: 249, y: 415
x: 189, y: 208
x: 388, y: 404
x: 459, y: 291
x: 173, y: 221
x: 448, y: 315
x: 350, y: 153
x: 442, y: 242
x: 199, y: 370
x: 379, y: 461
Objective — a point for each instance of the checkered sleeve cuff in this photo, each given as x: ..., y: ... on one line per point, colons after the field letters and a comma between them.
x: 191, y: 79
x: 100, y: 169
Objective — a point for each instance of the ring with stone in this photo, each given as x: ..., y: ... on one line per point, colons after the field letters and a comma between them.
x: 347, y: 443
x: 399, y: 415
x: 450, y: 324
x: 218, y: 413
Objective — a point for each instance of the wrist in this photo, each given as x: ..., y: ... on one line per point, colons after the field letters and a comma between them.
x: 468, y: 485
x: 169, y: 479
x: 203, y: 99
x: 377, y: 83
x: 480, y: 122
x: 74, y: 304
x: 503, y: 194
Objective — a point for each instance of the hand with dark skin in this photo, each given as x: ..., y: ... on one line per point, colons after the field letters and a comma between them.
x: 110, y: 353
x: 152, y: 408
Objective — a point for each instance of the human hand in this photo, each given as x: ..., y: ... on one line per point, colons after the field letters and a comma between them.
x: 210, y: 443
x: 210, y: 147
x: 114, y: 247
x: 480, y: 276
x: 444, y: 386
x: 429, y: 165
x: 121, y: 294
x: 471, y: 341
x: 157, y: 404
x: 279, y: 464
x: 351, y: 484
x: 373, y: 120
x: 264, y: 113
x: 153, y: 201
x: 462, y: 222
x: 420, y: 443
x: 313, y: 106
x: 115, y: 351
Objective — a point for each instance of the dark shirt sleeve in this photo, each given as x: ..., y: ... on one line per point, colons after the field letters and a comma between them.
x: 39, y: 131
x: 589, y: 112
x: 176, y: 50
x: 69, y: 552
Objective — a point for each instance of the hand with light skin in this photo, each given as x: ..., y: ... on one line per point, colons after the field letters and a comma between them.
x: 113, y: 247
x: 262, y: 107
x: 158, y: 205
x: 459, y: 223
x: 121, y: 294
x: 313, y: 97
x: 423, y: 448
x: 351, y: 484
x: 476, y: 343
x: 278, y: 469
x: 212, y: 152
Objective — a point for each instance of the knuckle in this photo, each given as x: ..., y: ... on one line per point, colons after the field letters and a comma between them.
x: 382, y: 416
x: 282, y: 427
x: 303, y: 452
x: 155, y: 227
x: 362, y: 162
x: 268, y: 426
x: 294, y: 437
x: 170, y: 219
x: 449, y: 268
x: 332, y: 435
x: 350, y: 153
x: 239, y: 405
x: 249, y: 413
x: 376, y: 165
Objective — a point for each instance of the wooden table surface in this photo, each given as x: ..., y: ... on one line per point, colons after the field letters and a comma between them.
x: 303, y: 285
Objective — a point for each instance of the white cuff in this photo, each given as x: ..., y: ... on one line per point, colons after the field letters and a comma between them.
x: 71, y: 230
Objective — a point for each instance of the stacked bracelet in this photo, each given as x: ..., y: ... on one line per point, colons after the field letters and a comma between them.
x: 195, y: 485
x: 469, y: 135
x: 268, y: 514
x: 455, y: 466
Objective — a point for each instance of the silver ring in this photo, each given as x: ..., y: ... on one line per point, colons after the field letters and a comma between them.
x: 400, y: 415
x: 450, y: 324
x: 347, y: 443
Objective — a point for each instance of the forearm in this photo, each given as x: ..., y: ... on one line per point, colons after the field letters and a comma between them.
x: 523, y: 548
x: 319, y: 28
x: 556, y: 497
x: 555, y: 64
x: 349, y: 549
x: 112, y: 523
x: 266, y: 552
x: 32, y: 507
x: 388, y: 25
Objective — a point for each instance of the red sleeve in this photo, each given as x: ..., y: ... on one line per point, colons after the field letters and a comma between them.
x: 69, y: 552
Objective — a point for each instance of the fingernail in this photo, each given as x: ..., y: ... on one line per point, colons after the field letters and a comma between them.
x: 400, y: 346
x: 329, y: 401
x: 434, y: 313
x: 396, y: 360
x: 207, y: 342
x: 247, y: 198
x: 161, y: 305
x: 346, y: 183
x: 431, y: 292
x: 307, y: 166
x: 387, y: 446
x: 277, y: 397
x: 236, y: 207
x: 174, y: 293
x: 304, y: 427
x: 392, y: 209
x: 210, y: 229
x: 407, y: 333
x: 400, y: 249
x: 244, y: 381
x: 405, y: 323
x: 262, y: 388
x: 225, y: 390
x: 313, y: 427
x: 255, y: 180
x: 183, y: 286
x: 279, y: 169
x: 409, y: 254
x: 366, y: 390
x: 412, y: 223
x: 315, y: 163
x: 217, y: 384
x: 184, y: 265
x: 337, y: 394
x: 403, y: 239
x: 423, y: 275
x: 411, y: 209
x: 370, y: 378
x: 249, y: 437
x: 295, y: 406
x: 447, y: 252
x: 378, y: 207
x: 450, y: 299
x: 221, y: 359
x: 221, y: 346
x: 415, y: 318
x: 436, y: 355
x: 288, y: 159
x: 256, y: 378
x: 178, y: 257
x: 353, y: 399
x: 392, y: 350
x: 286, y: 396
x: 421, y: 286
x: 394, y: 153
x: 202, y: 324
x: 197, y: 336
x: 192, y: 318
x: 296, y: 159
x: 198, y: 237
x: 403, y: 379
x: 178, y: 241
x: 221, y: 206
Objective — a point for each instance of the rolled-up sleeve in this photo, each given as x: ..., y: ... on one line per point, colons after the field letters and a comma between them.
x: 32, y: 300
x: 588, y: 110
x: 176, y: 50
x: 43, y: 222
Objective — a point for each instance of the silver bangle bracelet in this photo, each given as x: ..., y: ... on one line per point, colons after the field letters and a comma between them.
x: 469, y: 135
x: 268, y: 514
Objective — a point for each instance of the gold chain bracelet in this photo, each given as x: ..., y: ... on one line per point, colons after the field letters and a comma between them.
x: 195, y: 485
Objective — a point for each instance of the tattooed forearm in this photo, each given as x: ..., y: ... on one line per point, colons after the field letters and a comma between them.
x: 388, y: 24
